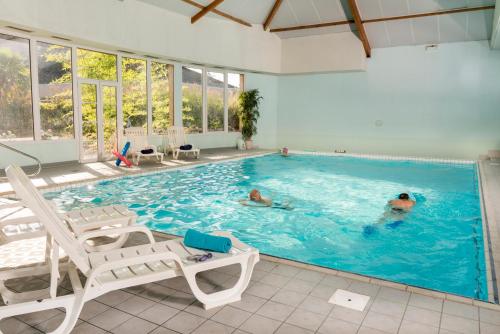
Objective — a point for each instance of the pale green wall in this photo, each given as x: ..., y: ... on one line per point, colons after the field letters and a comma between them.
x: 443, y: 103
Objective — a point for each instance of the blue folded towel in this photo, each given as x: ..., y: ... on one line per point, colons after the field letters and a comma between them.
x: 208, y: 242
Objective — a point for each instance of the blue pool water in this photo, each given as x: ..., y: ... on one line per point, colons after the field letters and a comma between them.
x: 336, y: 200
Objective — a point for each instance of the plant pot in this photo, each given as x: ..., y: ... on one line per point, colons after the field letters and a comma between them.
x: 241, y: 144
x: 249, y: 144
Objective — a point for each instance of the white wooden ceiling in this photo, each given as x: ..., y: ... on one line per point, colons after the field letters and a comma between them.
x: 425, y: 30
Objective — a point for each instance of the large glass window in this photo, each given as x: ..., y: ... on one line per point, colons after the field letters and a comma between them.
x: 235, y: 87
x: 16, y: 112
x: 215, y: 101
x: 192, y: 99
x: 56, y: 91
x: 161, y: 91
x: 135, y: 94
x: 96, y: 65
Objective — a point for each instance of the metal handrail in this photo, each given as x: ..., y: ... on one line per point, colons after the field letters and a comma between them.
x: 39, y: 163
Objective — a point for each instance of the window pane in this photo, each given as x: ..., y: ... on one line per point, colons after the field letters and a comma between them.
x: 192, y: 97
x: 16, y: 115
x: 56, y: 91
x: 163, y: 116
x: 235, y: 87
x: 215, y: 101
x: 96, y: 65
x: 135, y: 95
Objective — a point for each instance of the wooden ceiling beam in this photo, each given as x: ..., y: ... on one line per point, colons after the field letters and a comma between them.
x: 272, y: 14
x: 312, y: 26
x: 218, y: 12
x: 206, y: 10
x: 441, y: 12
x: 359, y: 25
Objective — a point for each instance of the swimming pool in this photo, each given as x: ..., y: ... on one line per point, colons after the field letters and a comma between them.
x: 336, y: 201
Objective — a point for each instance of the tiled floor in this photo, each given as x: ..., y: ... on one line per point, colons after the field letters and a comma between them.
x: 280, y: 299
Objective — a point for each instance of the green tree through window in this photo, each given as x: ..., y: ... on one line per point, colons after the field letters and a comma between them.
x: 55, y: 90
x: 16, y: 115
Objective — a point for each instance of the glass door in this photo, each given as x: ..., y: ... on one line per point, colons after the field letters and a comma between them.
x: 98, y: 108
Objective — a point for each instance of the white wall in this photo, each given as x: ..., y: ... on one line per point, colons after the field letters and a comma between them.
x: 323, y: 53
x: 443, y: 103
x: 148, y: 30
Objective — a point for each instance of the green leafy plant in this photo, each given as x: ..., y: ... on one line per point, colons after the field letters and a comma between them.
x: 249, y: 112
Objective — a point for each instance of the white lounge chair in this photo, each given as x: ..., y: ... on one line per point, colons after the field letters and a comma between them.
x: 17, y: 222
x: 120, y: 268
x: 177, y: 138
x: 138, y: 139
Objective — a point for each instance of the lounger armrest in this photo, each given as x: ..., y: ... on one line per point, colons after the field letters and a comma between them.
x: 116, y: 230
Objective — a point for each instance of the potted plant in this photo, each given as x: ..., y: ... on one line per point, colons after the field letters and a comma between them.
x: 249, y: 114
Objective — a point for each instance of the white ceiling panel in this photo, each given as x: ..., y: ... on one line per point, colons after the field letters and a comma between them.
x: 330, y: 10
x: 285, y: 17
x: 303, y: 11
x: 425, y: 30
x: 400, y: 32
x: 370, y: 9
x: 316, y: 31
x: 377, y: 35
x: 394, y: 7
x: 425, y: 6
x: 453, y: 27
x: 249, y: 10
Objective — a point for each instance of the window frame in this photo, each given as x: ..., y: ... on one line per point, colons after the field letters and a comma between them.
x: 171, y: 88
x: 204, y: 124
x: 35, y: 94
x: 224, y: 73
x: 205, y: 70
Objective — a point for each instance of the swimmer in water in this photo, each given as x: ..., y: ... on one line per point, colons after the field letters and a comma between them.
x: 257, y: 200
x: 402, y: 204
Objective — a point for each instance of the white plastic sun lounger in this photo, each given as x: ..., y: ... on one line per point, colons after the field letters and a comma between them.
x: 177, y: 138
x: 138, y: 139
x: 120, y: 268
x: 17, y: 222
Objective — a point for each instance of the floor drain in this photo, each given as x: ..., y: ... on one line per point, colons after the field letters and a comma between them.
x: 349, y: 299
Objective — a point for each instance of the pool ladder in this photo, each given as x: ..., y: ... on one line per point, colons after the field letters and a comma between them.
x: 39, y: 164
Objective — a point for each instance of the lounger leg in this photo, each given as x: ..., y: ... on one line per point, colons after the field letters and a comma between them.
x: 227, y: 296
x: 72, y: 313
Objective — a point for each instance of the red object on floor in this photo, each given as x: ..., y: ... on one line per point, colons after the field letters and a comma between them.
x: 123, y: 159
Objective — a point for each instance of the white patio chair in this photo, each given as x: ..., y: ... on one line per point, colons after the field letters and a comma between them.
x: 138, y: 139
x: 120, y: 268
x: 177, y: 138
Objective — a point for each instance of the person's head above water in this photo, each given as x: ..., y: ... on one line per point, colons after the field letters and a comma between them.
x: 255, y: 195
x: 404, y: 196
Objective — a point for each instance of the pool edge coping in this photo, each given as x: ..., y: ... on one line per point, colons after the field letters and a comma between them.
x: 489, y: 250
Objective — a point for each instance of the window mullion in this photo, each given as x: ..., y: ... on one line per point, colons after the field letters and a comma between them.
x: 35, y: 92
x: 119, y: 112
x: 149, y: 98
x: 226, y: 105
x: 204, y: 100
